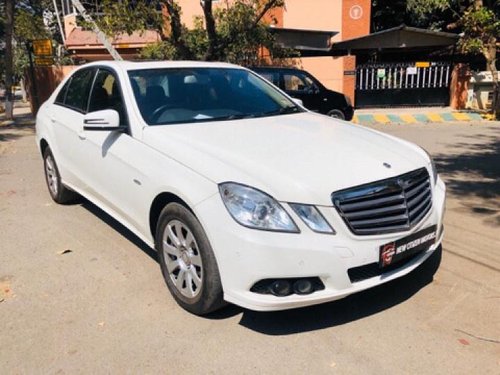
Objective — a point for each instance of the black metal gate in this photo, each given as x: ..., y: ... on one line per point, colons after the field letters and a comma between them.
x: 403, y: 84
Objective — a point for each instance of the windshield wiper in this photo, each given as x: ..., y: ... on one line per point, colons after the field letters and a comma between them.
x: 282, y: 111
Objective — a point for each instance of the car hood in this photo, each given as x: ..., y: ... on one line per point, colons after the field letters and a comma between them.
x: 295, y: 158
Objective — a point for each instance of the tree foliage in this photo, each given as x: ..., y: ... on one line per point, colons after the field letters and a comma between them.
x: 233, y: 33
x: 478, y: 21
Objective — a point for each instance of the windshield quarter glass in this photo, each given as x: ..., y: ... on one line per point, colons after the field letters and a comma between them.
x: 187, y: 95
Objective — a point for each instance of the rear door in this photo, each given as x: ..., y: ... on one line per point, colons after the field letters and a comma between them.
x: 66, y: 116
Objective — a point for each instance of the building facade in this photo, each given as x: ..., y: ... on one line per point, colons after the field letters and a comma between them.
x: 348, y: 18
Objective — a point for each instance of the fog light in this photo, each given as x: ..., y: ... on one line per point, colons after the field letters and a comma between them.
x: 281, y: 288
x: 303, y: 286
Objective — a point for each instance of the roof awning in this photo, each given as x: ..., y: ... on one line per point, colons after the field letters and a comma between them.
x: 395, y: 39
x: 85, y: 44
x: 307, y: 42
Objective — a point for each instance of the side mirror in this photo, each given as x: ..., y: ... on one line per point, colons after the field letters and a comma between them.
x: 298, y: 101
x: 105, y: 120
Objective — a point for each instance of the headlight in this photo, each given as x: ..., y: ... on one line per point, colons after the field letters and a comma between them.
x: 433, y: 166
x: 312, y: 217
x: 255, y: 209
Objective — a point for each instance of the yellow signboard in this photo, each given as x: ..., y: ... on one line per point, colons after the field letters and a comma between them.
x: 422, y: 64
x: 44, y: 61
x: 42, y: 47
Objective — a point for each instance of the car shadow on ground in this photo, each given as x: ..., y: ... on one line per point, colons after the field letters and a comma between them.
x: 92, y: 208
x: 349, y: 309
x: 472, y: 173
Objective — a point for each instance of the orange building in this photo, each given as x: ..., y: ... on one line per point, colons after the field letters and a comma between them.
x: 335, y: 20
x: 348, y: 18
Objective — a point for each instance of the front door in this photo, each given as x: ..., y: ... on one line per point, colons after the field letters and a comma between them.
x: 114, y: 159
x: 302, y: 87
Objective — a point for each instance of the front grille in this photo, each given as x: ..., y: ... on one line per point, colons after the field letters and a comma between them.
x: 396, y: 204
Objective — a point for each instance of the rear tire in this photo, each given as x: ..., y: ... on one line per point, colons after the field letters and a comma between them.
x: 58, y: 192
x: 336, y: 113
x: 187, y: 261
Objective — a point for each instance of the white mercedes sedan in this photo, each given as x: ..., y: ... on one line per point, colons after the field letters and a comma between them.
x: 247, y: 197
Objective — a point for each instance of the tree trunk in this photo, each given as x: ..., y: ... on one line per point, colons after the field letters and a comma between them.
x: 212, y: 52
x: 174, y: 13
x: 9, y: 57
x: 490, y: 53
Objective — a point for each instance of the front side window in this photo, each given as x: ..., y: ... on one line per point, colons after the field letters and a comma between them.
x: 298, y: 83
x: 77, y: 94
x: 106, y: 94
x: 183, y: 95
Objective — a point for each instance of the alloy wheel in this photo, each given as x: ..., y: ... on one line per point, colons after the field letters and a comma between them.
x: 182, y: 258
x: 51, y: 175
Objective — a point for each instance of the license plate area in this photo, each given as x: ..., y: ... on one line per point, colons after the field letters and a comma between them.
x: 396, y: 251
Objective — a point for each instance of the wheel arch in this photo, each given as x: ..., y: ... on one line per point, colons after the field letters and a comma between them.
x: 159, y: 202
x: 43, y: 145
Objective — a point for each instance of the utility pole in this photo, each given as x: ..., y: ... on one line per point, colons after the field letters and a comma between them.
x: 100, y: 35
x: 9, y: 57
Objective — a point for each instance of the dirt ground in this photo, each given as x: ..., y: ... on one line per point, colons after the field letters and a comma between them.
x: 80, y: 294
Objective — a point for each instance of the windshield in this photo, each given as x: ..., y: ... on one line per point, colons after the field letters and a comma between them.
x: 182, y: 95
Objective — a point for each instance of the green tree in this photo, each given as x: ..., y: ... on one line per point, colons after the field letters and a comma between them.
x: 9, y: 58
x: 31, y: 19
x: 233, y: 33
x: 479, y: 24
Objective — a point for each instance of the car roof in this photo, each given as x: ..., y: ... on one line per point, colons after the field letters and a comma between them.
x: 135, y: 65
x: 275, y: 68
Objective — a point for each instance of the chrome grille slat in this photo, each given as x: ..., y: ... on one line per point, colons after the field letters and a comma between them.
x: 388, y: 229
x: 392, y: 205
x: 415, y: 190
x: 364, y: 204
x: 376, y: 212
x: 416, y: 200
x: 379, y: 221
x: 424, y: 209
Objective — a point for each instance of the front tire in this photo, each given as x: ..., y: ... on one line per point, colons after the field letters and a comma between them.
x: 58, y: 192
x: 187, y: 261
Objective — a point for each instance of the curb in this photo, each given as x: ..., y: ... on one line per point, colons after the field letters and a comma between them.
x: 407, y: 118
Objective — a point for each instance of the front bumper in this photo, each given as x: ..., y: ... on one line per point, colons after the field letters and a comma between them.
x: 348, y: 113
x: 245, y: 256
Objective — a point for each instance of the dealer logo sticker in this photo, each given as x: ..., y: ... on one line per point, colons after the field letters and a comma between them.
x: 387, y: 253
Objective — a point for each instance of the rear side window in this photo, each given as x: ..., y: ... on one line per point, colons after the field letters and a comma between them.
x: 270, y: 76
x: 62, y: 94
x: 78, y: 90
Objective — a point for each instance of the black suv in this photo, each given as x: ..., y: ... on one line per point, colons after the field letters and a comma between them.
x: 302, y: 85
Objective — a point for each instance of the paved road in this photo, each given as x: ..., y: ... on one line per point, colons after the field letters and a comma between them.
x: 102, y: 307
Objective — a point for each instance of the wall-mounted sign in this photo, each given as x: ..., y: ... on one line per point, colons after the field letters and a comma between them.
x: 422, y: 64
x: 381, y: 73
x: 44, y: 61
x: 42, y: 47
x: 349, y: 72
x: 411, y: 70
x: 356, y: 12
